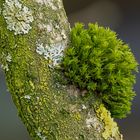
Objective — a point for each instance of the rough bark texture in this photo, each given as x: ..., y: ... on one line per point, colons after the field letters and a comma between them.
x: 30, y: 51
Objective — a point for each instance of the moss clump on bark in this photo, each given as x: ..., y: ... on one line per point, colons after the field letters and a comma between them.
x: 102, y: 64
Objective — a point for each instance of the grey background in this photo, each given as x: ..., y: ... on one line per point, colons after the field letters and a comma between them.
x: 123, y: 16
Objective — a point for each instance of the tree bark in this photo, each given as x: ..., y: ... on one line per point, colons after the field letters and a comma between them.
x: 33, y: 36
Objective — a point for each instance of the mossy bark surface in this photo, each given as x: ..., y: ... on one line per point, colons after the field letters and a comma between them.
x: 50, y: 109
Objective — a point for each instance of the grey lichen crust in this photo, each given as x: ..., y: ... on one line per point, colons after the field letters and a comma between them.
x: 50, y: 109
x: 53, y: 29
x: 18, y: 17
x: 53, y: 52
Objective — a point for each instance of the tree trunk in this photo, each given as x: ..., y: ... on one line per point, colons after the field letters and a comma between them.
x: 33, y: 36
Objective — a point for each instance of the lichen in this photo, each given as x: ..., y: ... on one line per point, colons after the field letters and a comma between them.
x: 110, y: 127
x: 53, y: 53
x: 18, y: 17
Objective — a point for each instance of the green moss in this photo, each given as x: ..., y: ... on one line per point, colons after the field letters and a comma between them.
x: 110, y: 127
x: 102, y: 64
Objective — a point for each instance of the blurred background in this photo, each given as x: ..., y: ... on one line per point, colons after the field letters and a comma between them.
x: 123, y: 16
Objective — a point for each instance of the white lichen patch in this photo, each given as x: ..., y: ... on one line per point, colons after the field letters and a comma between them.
x: 54, y: 52
x: 18, y: 17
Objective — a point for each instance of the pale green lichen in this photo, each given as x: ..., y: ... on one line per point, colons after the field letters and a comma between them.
x: 110, y: 127
x: 53, y: 53
x: 18, y: 17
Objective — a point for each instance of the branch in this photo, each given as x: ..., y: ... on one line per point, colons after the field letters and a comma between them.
x: 33, y: 36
